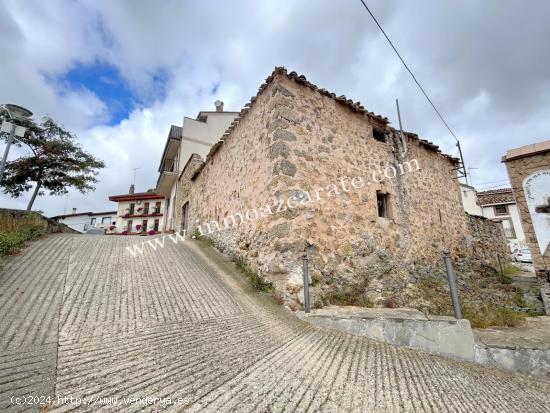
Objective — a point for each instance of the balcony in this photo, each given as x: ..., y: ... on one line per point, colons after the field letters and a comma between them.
x: 154, y: 212
x: 167, y: 177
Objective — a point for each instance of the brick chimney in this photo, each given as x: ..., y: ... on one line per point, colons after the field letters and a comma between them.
x: 219, y: 105
x: 132, y: 189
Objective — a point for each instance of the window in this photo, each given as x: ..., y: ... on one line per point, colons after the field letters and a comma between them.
x: 378, y: 134
x: 105, y: 220
x: 501, y: 210
x: 156, y: 227
x: 132, y: 207
x: 157, y: 207
x: 146, y: 208
x: 144, y: 226
x: 130, y: 222
x: 92, y: 221
x: 382, y: 203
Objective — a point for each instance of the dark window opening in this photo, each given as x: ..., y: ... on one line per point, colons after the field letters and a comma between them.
x: 144, y: 225
x: 378, y: 134
x: 156, y: 226
x: 501, y: 210
x: 382, y: 203
x: 132, y: 207
x: 130, y: 224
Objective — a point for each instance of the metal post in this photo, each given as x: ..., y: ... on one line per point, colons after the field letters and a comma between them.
x: 452, y: 284
x: 306, y: 285
x: 6, y: 151
x: 500, y: 264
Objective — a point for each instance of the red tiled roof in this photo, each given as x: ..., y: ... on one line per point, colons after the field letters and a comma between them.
x: 136, y: 196
x: 496, y: 196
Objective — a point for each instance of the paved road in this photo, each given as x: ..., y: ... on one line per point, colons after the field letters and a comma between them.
x: 81, y: 318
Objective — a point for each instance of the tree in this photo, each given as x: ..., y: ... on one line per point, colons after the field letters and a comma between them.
x: 56, y: 163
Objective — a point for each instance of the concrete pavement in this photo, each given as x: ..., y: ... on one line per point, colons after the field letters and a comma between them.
x: 84, y: 322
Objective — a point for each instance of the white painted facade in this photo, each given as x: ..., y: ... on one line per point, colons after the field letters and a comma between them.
x: 511, y: 216
x: 138, y: 215
x: 197, y: 136
x: 469, y: 200
x: 85, y: 221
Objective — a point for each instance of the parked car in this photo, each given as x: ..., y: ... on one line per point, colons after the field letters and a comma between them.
x: 522, y: 255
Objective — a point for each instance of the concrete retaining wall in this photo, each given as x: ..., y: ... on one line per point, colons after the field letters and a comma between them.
x: 535, y: 362
x: 403, y: 327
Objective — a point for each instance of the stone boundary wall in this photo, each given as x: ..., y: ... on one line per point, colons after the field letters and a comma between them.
x: 50, y: 225
x: 183, y: 189
x: 486, y: 240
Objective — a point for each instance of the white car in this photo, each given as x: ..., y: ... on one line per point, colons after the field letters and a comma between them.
x: 522, y: 255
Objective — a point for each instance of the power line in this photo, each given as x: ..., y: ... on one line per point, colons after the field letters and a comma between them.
x: 410, y: 72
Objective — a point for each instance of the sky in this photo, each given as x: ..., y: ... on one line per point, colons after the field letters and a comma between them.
x: 119, y: 73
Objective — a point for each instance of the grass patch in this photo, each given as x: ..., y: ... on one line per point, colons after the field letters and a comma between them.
x: 488, y: 315
x: 346, y: 296
x: 256, y: 281
x: 14, y: 233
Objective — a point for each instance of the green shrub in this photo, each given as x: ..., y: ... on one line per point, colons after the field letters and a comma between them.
x: 256, y: 281
x: 12, y: 240
x: 488, y: 315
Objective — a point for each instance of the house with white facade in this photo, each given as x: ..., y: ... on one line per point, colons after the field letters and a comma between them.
x: 86, y: 221
x: 195, y: 136
x: 500, y: 205
x: 497, y: 205
x: 138, y: 213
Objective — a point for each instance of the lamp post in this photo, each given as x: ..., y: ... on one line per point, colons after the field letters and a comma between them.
x: 15, y: 112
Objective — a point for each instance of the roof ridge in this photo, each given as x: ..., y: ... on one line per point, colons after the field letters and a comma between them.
x: 302, y: 80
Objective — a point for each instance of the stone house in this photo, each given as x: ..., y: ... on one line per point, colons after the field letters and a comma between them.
x: 529, y: 171
x: 300, y: 166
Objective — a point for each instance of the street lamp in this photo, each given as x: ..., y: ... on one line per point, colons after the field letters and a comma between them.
x: 15, y: 112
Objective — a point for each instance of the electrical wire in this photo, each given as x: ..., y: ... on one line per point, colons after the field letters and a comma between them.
x: 410, y: 72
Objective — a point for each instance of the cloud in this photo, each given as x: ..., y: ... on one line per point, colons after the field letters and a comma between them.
x: 484, y: 64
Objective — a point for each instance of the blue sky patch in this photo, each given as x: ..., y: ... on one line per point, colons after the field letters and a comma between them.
x: 106, y: 82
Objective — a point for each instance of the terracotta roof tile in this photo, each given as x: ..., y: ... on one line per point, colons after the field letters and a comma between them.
x: 496, y: 196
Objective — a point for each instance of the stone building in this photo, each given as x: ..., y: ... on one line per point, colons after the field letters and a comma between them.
x: 529, y: 171
x: 300, y: 166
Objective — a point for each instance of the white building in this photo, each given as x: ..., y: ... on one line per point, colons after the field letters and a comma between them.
x: 138, y: 213
x: 500, y: 205
x: 84, y: 221
x: 469, y: 200
x: 195, y: 136
x: 497, y: 205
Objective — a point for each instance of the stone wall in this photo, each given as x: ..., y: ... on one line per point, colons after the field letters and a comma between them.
x: 290, y: 159
x: 51, y: 226
x: 183, y: 189
x: 518, y: 170
x: 486, y: 241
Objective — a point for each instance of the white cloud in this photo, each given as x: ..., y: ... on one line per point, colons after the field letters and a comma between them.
x: 484, y: 64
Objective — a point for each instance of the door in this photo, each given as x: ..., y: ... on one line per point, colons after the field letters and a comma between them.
x: 185, y: 216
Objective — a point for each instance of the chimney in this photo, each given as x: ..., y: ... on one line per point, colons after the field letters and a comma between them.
x: 132, y: 189
x: 74, y: 210
x: 219, y: 105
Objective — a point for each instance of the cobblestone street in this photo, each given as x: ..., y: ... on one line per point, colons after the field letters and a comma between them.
x: 80, y: 317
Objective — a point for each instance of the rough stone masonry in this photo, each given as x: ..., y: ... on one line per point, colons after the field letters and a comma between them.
x: 293, y: 139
